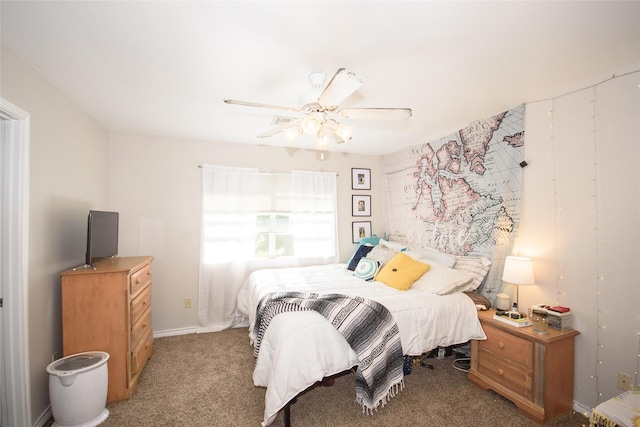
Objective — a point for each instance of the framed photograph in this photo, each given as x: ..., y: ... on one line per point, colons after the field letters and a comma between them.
x: 361, y: 229
x: 361, y: 205
x: 360, y: 179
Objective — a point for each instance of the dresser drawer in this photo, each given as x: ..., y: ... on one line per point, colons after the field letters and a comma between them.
x: 506, y: 346
x: 140, y: 279
x: 510, y: 375
x: 141, y: 354
x: 140, y: 328
x: 140, y: 304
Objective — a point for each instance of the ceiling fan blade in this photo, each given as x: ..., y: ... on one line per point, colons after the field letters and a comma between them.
x: 259, y: 105
x: 376, y: 113
x: 342, y: 85
x: 276, y: 130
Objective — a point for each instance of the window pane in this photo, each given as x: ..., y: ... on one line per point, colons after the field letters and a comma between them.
x: 282, y: 223
x: 284, y: 245
x: 263, y: 222
x: 262, y: 245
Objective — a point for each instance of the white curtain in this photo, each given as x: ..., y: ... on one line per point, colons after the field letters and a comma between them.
x: 227, y: 255
x: 228, y: 242
x: 314, y: 210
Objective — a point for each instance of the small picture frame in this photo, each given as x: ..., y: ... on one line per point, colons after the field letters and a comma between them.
x: 360, y: 179
x: 361, y: 205
x: 361, y: 229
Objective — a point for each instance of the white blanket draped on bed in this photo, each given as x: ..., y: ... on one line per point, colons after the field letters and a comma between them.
x: 299, y: 349
x: 366, y: 325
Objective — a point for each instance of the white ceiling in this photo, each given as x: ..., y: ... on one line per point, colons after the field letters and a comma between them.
x: 164, y: 67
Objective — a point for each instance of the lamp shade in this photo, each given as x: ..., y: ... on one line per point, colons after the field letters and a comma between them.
x: 518, y: 270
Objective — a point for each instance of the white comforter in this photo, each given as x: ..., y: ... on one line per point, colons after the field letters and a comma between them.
x: 300, y: 348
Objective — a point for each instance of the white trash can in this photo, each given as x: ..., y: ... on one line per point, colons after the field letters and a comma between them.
x: 78, y: 389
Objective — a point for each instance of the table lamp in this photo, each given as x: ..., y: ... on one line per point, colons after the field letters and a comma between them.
x: 519, y: 271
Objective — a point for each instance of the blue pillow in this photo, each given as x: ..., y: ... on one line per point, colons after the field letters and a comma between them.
x: 360, y: 252
x: 367, y: 269
x: 373, y: 240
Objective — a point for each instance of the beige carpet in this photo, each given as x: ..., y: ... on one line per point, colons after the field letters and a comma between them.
x: 205, y: 380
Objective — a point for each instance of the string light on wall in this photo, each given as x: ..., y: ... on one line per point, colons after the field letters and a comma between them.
x: 604, y: 332
x: 601, y: 315
x: 556, y: 193
x: 637, y: 387
x: 601, y: 323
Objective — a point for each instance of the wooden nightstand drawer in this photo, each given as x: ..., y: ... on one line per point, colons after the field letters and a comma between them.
x: 510, y: 375
x: 507, y: 346
x: 140, y: 279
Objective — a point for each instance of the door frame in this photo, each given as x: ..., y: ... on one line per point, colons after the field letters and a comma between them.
x: 15, y: 395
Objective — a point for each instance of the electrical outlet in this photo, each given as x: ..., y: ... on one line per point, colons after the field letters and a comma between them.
x: 187, y: 303
x: 624, y: 381
x: 55, y: 356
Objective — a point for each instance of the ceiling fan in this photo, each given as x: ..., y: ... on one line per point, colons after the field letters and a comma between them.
x: 319, y: 110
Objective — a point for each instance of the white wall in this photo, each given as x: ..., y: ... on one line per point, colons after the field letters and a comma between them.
x: 580, y: 224
x: 68, y: 176
x: 156, y: 185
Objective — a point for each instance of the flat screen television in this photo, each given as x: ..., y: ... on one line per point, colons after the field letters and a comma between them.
x: 102, y: 236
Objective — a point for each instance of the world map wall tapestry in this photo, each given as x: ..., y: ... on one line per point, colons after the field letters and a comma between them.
x: 461, y: 193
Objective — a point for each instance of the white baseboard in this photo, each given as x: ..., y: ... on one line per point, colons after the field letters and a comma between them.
x: 174, y: 332
x: 45, y: 418
x: 581, y: 409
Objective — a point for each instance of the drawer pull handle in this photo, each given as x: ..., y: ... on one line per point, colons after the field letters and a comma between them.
x: 500, y: 344
x: 144, y: 326
x: 138, y: 281
x: 144, y: 302
x: 149, y: 273
x: 500, y: 372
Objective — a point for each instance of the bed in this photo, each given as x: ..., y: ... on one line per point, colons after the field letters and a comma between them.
x: 300, y: 348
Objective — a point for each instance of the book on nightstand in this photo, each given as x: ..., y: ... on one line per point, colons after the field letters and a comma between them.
x: 518, y: 323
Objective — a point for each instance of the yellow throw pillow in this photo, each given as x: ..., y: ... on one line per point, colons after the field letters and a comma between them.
x: 401, y: 271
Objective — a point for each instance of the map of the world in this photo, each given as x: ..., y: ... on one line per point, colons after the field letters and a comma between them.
x: 461, y: 193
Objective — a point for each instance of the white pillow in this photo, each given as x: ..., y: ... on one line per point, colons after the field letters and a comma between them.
x: 396, y: 246
x: 431, y: 254
x: 477, y: 266
x: 381, y: 253
x: 442, y: 280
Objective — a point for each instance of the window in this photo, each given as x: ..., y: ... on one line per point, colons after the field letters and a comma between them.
x: 274, y: 234
x: 274, y: 237
x: 249, y: 215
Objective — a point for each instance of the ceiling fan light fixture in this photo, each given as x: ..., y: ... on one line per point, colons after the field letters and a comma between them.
x: 316, y: 108
x: 311, y: 124
x: 322, y: 141
x: 344, y: 132
x: 293, y: 133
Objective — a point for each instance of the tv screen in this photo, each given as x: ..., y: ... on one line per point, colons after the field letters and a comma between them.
x: 102, y: 236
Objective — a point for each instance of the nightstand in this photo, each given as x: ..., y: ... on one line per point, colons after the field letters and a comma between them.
x: 534, y: 371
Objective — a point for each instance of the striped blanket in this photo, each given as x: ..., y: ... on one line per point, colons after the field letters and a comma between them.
x: 366, y: 325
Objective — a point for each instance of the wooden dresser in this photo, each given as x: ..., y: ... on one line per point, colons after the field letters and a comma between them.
x: 109, y: 309
x: 534, y: 371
